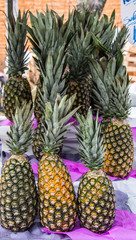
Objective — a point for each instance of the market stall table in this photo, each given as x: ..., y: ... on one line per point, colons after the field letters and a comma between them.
x: 124, y: 227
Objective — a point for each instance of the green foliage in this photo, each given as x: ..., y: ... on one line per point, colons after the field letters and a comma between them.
x: 90, y: 141
x: 111, y: 88
x: 20, y: 135
x: 55, y: 123
x: 48, y: 32
x: 17, y: 44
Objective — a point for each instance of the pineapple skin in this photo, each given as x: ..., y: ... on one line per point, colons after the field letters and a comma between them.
x: 118, y: 140
x: 16, y: 86
x: 83, y: 91
x: 37, y: 142
x: 18, y: 195
x: 37, y: 109
x: 57, y: 199
x: 96, y: 202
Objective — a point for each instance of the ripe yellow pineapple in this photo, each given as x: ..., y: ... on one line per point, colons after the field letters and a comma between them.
x: 57, y: 199
x: 96, y: 197
x: 58, y: 210
x: 16, y: 85
x: 111, y: 97
x: 18, y: 195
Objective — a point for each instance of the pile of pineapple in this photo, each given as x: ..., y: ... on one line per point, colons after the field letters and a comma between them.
x: 80, y: 63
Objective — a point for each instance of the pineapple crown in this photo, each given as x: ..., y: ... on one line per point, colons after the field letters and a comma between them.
x: 112, y: 38
x: 86, y: 18
x: 94, y: 36
x: 90, y: 141
x: 53, y: 79
x: 17, y: 44
x: 54, y: 65
x: 92, y: 22
x: 120, y: 102
x: 20, y: 135
x: 110, y: 87
x: 82, y: 45
x: 119, y: 40
x: 105, y: 33
x: 48, y: 32
x: 78, y: 52
x: 55, y: 123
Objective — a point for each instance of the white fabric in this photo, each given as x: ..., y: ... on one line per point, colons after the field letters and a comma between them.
x: 129, y: 187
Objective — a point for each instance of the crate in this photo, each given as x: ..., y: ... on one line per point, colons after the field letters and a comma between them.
x: 130, y: 61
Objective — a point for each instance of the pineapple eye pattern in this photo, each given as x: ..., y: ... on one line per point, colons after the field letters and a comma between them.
x: 120, y: 154
x: 96, y: 208
x: 61, y: 197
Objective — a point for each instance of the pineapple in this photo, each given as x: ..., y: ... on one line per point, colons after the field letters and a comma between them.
x: 78, y: 78
x: 16, y: 85
x: 57, y: 199
x: 94, y: 36
x: 18, y: 196
x: 111, y: 96
x: 96, y: 197
x: 49, y: 35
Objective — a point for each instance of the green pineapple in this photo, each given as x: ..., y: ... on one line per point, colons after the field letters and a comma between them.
x: 57, y: 199
x: 78, y: 78
x: 16, y: 85
x: 111, y: 97
x: 96, y: 197
x: 96, y: 37
x: 18, y: 196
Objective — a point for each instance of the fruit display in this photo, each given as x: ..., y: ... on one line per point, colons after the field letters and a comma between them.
x: 96, y: 197
x: 57, y: 199
x: 81, y: 73
x: 18, y: 195
x: 111, y: 94
x: 16, y: 85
